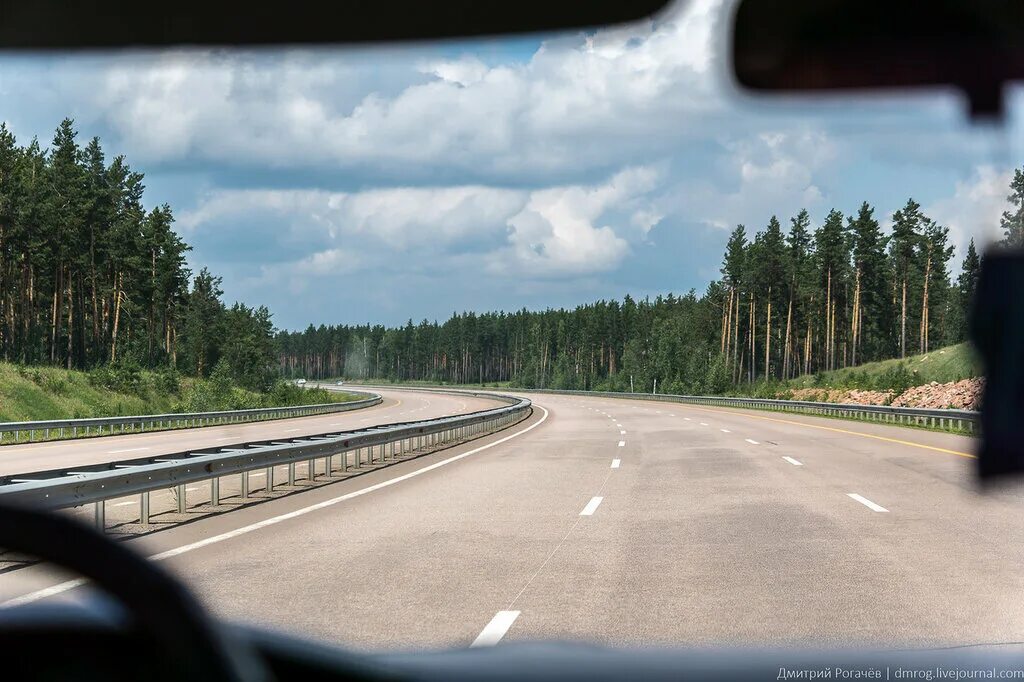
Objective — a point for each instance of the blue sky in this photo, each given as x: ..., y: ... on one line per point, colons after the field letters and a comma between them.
x: 378, y: 185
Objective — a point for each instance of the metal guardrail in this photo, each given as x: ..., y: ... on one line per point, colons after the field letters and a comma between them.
x: 94, y: 426
x: 95, y: 484
x: 965, y: 420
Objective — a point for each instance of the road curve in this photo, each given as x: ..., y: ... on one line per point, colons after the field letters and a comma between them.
x: 627, y: 522
x: 397, y: 406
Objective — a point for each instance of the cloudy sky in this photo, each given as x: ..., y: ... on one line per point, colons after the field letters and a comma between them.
x: 387, y: 184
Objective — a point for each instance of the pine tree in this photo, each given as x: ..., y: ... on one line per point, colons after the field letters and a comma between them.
x: 871, y: 322
x: 800, y: 254
x: 832, y: 255
x: 904, y: 246
x: 1012, y: 221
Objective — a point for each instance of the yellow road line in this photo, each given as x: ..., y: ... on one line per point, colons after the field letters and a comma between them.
x: 828, y: 428
x: 844, y: 431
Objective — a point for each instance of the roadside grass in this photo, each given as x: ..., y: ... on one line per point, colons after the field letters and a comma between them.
x: 942, y: 365
x: 34, y: 393
x: 29, y: 393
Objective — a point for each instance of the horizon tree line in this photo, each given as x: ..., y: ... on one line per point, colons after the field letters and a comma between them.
x: 90, y: 277
x: 798, y: 301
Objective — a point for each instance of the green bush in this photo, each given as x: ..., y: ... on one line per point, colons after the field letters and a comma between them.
x: 121, y: 377
x: 897, y: 378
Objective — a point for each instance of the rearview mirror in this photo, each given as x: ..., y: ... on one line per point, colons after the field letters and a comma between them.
x: 793, y: 46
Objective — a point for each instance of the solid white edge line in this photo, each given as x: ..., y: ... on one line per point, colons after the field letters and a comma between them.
x: 592, y: 506
x: 867, y: 503
x: 496, y: 629
x: 116, y: 452
x: 72, y: 584
x: 616, y: 463
x: 792, y: 461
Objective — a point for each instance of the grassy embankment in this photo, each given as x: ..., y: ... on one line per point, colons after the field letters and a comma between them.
x: 943, y: 365
x: 40, y: 393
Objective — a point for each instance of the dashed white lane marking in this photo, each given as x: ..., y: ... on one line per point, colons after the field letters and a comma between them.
x: 671, y: 415
x: 619, y: 425
x: 751, y: 441
x: 686, y: 418
x: 703, y: 423
x: 226, y: 438
x: 274, y: 520
x: 622, y: 443
x: 496, y: 629
x: 622, y: 432
x: 291, y: 430
x: 115, y: 452
x: 616, y: 463
x: 794, y: 462
x: 867, y: 503
x: 725, y: 430
x: 592, y: 506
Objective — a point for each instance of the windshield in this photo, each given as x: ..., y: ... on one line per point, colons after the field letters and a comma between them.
x: 593, y: 238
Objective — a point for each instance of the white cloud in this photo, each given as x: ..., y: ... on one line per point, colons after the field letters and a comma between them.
x: 556, y: 233
x: 464, y: 71
x: 552, y: 232
x: 974, y: 209
x: 634, y: 89
x: 771, y: 173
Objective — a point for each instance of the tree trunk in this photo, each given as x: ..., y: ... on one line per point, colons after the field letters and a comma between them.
x: 71, y: 321
x: 753, y: 337
x: 786, y: 353
x: 903, y: 321
x: 768, y: 338
x: 855, y: 326
x: 828, y: 318
x: 924, y: 304
x: 117, y: 321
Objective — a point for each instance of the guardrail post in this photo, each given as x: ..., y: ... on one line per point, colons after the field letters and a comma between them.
x: 100, y: 511
x: 291, y: 473
x: 181, y: 498
x: 245, y: 484
x: 311, y: 470
x: 144, y: 509
x: 215, y: 491
x: 270, y: 479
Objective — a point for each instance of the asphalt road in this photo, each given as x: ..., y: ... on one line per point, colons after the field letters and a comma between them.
x: 625, y: 522
x: 398, y: 406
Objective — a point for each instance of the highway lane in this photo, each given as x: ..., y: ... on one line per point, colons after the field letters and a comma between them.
x: 622, y: 522
x: 397, y: 406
